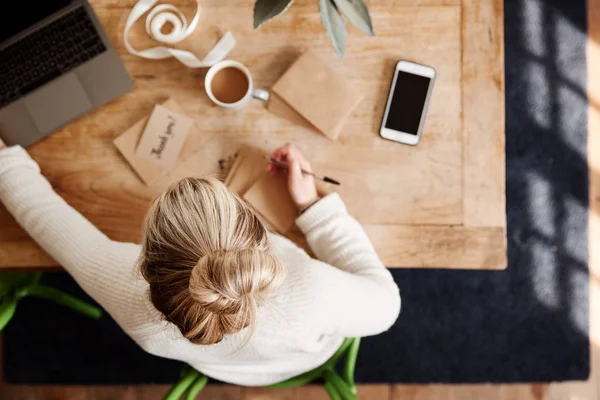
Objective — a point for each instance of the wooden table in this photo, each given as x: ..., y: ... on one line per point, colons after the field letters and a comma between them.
x: 440, y: 204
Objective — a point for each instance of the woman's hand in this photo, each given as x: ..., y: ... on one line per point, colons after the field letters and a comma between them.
x: 301, y: 186
x: 2, y: 144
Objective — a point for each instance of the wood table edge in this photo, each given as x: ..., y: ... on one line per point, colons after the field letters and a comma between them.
x: 483, y: 85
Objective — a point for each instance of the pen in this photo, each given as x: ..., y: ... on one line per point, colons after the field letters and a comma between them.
x: 286, y: 166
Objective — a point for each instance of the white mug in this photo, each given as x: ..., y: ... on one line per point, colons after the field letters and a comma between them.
x: 252, y: 92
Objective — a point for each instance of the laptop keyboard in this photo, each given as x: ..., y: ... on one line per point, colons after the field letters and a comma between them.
x: 47, y: 53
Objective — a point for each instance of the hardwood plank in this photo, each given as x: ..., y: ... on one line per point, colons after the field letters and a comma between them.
x: 439, y: 246
x: 475, y: 392
x: 399, y: 246
x: 523, y: 391
x: 421, y: 392
x: 312, y: 392
x: 151, y: 392
x: 483, y: 113
x: 469, y: 391
x: 20, y: 392
x: 255, y: 393
x: 375, y: 392
x: 24, y: 254
x: 108, y: 392
x: 223, y: 392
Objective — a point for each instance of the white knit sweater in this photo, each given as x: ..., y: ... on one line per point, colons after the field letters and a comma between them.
x: 349, y: 293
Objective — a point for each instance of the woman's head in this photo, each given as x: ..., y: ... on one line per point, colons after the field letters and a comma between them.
x: 207, y: 259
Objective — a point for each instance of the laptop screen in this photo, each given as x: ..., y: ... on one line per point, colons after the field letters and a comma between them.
x: 23, y: 14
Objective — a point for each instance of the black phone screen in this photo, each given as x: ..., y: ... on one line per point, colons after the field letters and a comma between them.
x: 408, y: 102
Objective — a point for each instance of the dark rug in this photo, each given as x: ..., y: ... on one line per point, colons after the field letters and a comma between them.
x: 528, y: 323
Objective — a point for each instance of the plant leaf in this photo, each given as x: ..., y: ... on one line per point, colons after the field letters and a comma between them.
x: 7, y: 310
x: 334, y: 25
x: 12, y: 281
x: 357, y: 13
x: 264, y: 10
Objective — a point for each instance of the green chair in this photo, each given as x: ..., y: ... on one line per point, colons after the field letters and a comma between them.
x: 338, y: 387
x: 16, y: 285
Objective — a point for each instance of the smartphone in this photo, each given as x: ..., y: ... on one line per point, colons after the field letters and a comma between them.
x: 407, y: 102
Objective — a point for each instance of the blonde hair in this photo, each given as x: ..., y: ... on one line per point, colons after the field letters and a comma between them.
x: 207, y: 259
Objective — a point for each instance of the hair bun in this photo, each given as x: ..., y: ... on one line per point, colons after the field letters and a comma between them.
x: 232, y: 282
x: 229, y: 286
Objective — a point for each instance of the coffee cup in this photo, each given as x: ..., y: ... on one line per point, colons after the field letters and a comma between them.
x: 229, y: 84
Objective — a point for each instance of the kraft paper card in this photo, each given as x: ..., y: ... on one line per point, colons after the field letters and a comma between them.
x: 271, y: 198
x: 267, y: 193
x: 278, y: 106
x: 246, y: 169
x: 163, y: 137
x: 319, y: 95
x: 147, y: 171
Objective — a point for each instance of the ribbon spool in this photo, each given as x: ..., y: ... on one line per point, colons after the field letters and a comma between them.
x: 157, y: 19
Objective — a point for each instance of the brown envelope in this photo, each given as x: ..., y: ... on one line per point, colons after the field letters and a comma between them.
x: 271, y: 198
x: 268, y: 194
x: 315, y: 91
x: 246, y: 169
x: 147, y: 171
x: 278, y: 106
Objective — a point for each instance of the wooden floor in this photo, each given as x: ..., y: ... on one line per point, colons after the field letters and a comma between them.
x: 555, y: 391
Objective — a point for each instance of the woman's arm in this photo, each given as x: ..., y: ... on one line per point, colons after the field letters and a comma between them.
x: 359, y: 293
x: 102, y: 267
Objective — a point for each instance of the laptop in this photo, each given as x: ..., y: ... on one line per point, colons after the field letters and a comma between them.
x: 56, y: 64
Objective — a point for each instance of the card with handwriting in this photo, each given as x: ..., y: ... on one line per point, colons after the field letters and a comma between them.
x: 163, y: 137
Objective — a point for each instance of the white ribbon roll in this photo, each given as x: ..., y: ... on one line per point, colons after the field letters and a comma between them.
x: 155, y: 21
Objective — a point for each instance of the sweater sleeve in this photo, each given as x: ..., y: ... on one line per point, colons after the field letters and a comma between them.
x: 102, y: 267
x: 359, y: 292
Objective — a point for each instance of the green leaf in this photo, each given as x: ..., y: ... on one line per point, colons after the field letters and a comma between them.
x: 264, y: 10
x: 357, y: 13
x: 7, y: 310
x: 12, y: 281
x: 334, y: 25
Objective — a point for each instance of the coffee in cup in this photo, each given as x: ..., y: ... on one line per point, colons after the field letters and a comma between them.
x: 229, y: 84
